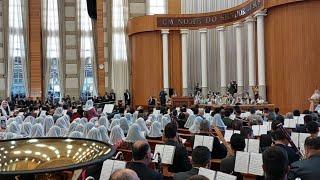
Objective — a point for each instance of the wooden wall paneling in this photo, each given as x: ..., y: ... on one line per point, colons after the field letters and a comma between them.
x: 35, y: 49
x: 175, y: 62
x: 146, y: 63
x: 174, y: 7
x: 292, y: 54
x: 100, y: 47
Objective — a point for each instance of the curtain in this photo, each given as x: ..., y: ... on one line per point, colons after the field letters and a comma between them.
x: 213, y: 61
x: 17, y: 39
x: 87, y: 47
x: 51, y: 43
x: 120, y: 75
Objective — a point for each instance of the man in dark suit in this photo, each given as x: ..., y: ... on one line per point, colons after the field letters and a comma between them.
x: 181, y: 162
x: 141, y: 154
x: 127, y: 98
x: 275, y: 163
x: 200, y: 158
x: 112, y: 96
x: 309, y: 168
x: 162, y: 97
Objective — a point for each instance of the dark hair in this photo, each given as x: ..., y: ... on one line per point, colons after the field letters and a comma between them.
x: 195, y: 111
x: 174, y: 112
x: 312, y: 127
x: 252, y: 110
x: 139, y: 151
x: 307, y: 119
x: 280, y: 118
x: 207, y: 109
x: 182, y: 116
x: 197, y: 177
x: 227, y: 112
x: 237, y: 142
x: 274, y: 125
x: 201, y: 156
x: 246, y: 131
x: 312, y: 143
x: 306, y: 112
x: 170, y: 131
x: 275, y: 162
x: 296, y: 112
x: 276, y: 110
x: 266, y: 110
x: 236, y: 124
x: 278, y: 135
x: 265, y: 141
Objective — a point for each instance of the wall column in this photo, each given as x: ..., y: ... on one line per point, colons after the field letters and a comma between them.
x: 204, y: 74
x: 251, y: 61
x: 184, y: 54
x: 165, y: 59
x: 238, y: 26
x: 223, y: 58
x: 261, y: 55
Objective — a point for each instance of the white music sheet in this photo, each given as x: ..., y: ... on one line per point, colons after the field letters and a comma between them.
x: 108, y: 108
x: 227, y: 135
x: 168, y: 153
x: 263, y: 129
x: 242, y: 161
x: 224, y: 176
x: 106, y: 170
x: 253, y: 145
x: 255, y: 129
x: 295, y: 138
x: 158, y: 149
x: 207, y: 173
x: 255, y: 165
x: 208, y: 142
x: 198, y: 141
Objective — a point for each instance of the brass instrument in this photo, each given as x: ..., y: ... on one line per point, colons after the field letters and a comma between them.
x: 44, y: 157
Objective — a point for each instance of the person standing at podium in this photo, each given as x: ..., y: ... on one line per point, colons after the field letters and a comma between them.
x: 162, y: 97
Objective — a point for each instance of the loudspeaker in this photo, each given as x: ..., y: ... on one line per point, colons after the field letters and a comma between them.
x: 92, y: 8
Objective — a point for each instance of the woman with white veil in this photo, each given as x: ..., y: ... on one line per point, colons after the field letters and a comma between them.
x: 104, y: 133
x: 5, y: 109
x: 103, y: 121
x: 134, y: 134
x: 72, y: 127
x: 94, y: 134
x: 80, y: 128
x: 164, y: 122
x: 30, y: 119
x: 26, y: 129
x: 18, y: 119
x: 155, y: 131
x: 94, y: 120
x: 218, y: 122
x: 89, y: 109
x: 190, y: 121
x: 196, y: 126
x: 129, y: 118
x: 48, y: 123
x: 63, y: 125
x: 124, y: 125
x: 10, y: 135
x: 76, y: 134
x: 54, y: 131
x: 39, y: 120
x: 10, y: 120
x: 116, y: 136
x: 57, y: 113
x: 13, y: 127
x: 87, y: 128
x: 135, y: 116
x: 117, y: 116
x: 114, y: 122
x: 83, y: 121
x: 37, y: 131
x: 143, y: 125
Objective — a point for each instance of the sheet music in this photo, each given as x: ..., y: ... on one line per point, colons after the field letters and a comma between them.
x: 253, y: 145
x: 302, y: 139
x: 295, y: 138
x: 106, y: 170
x: 224, y: 176
x: 207, y: 173
x: 255, y: 129
x: 255, y: 165
x: 158, y: 149
x: 227, y: 135
x: 246, y: 146
x: 198, y: 141
x: 208, y: 142
x: 263, y: 129
x: 242, y: 161
x: 118, y: 165
x: 300, y: 120
x: 168, y: 153
x: 108, y: 108
x: 236, y: 132
x: 290, y: 123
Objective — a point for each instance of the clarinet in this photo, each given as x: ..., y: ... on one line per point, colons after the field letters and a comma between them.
x: 285, y: 133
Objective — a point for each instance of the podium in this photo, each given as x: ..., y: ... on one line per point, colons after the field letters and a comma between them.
x: 182, y: 100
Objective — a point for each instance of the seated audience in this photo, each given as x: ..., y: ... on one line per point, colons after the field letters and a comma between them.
x: 181, y: 161
x: 313, y: 128
x: 275, y: 163
x: 124, y: 174
x: 253, y: 118
x: 302, y: 127
x: 142, y: 157
x: 265, y: 142
x: 227, y: 120
x: 200, y: 158
x: 308, y: 168
x: 247, y: 132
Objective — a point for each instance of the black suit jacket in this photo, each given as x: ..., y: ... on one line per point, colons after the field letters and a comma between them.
x: 186, y: 175
x: 143, y: 172
x: 306, y: 169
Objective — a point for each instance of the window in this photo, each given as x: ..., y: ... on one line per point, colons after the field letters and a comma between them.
x: 156, y: 7
x: 17, y: 48
x: 86, y: 52
x: 51, y: 26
